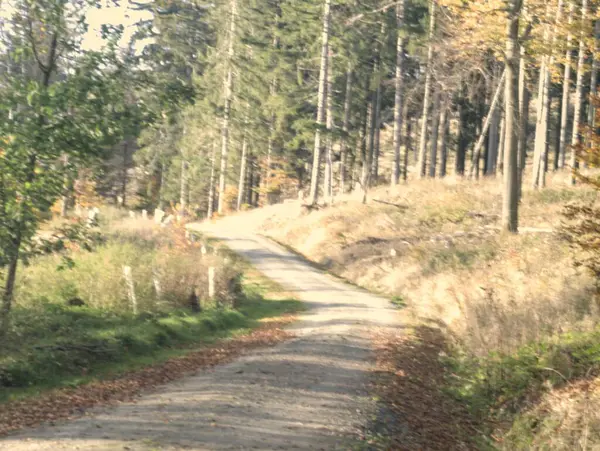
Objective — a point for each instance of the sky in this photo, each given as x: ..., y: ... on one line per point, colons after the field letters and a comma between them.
x: 113, y: 15
x: 121, y: 14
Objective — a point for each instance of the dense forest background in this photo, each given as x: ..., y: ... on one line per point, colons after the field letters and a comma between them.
x: 215, y: 107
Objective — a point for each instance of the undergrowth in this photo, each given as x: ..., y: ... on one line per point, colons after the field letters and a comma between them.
x: 56, y: 342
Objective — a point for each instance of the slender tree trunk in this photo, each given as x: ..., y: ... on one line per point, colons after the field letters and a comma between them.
x: 540, y: 155
x: 64, y: 210
x: 524, y: 100
x: 427, y: 97
x: 270, y: 141
x: 367, y: 156
x: 243, y: 173
x: 499, y: 166
x: 211, y: 185
x: 399, y: 93
x: 556, y: 160
x: 594, y: 74
x: 124, y: 178
x: 435, y: 125
x: 407, y: 144
x: 345, y: 129
x: 575, y: 138
x: 510, y: 198
x: 444, y: 124
x: 183, y: 187
x: 463, y: 141
x: 250, y: 184
x: 316, y: 168
x: 328, y: 188
x: 228, y: 88
x: 566, y: 95
x: 493, y: 141
x: 377, y: 133
x: 486, y: 124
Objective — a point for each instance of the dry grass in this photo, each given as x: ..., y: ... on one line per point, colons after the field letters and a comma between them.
x: 439, y: 250
x: 436, y: 248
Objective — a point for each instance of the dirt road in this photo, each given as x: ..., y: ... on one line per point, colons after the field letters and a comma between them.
x: 309, y: 393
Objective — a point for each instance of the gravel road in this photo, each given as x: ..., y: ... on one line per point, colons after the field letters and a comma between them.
x: 308, y: 393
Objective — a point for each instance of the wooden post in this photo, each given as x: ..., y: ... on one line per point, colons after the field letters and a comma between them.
x: 130, y: 288
x: 211, y: 282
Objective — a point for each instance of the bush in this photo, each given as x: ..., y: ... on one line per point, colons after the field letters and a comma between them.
x: 166, y: 270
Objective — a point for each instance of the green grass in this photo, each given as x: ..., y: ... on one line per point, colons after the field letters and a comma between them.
x: 52, y: 346
x: 499, y: 386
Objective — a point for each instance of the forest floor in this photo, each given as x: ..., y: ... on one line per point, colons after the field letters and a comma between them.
x: 311, y: 392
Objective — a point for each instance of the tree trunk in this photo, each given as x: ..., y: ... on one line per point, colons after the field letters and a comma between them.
x: 345, y: 129
x: 594, y: 74
x: 427, y: 96
x: 316, y: 168
x: 211, y: 186
x: 250, y: 184
x: 510, y: 198
x: 499, y: 164
x: 493, y: 141
x: 243, y: 173
x: 399, y: 93
x: 576, y: 137
x: 463, y: 141
x: 377, y: 143
x: 183, y: 188
x: 444, y: 124
x: 124, y: 175
x: 228, y: 87
x: 328, y: 188
x: 486, y: 124
x: 64, y: 210
x: 566, y: 95
x: 556, y: 160
x: 367, y: 153
x: 435, y: 125
x: 407, y: 143
x: 540, y: 154
x: 524, y: 100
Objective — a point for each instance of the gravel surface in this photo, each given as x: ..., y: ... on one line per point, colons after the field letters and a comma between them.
x: 308, y: 393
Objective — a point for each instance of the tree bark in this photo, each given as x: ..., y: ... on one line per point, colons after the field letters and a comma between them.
x: 407, y: 143
x: 510, y: 198
x: 462, y: 141
x: 377, y: 143
x: 524, y: 100
x: 399, y: 93
x: 427, y: 96
x: 486, y: 123
x: 345, y: 129
x: 594, y: 74
x: 499, y: 164
x: 243, y: 173
x: 566, y: 95
x: 444, y: 124
x: 211, y: 185
x: 184, y: 187
x: 434, y: 134
x: 540, y: 154
x: 228, y: 88
x: 328, y: 185
x: 576, y: 137
x: 493, y: 141
x: 316, y: 167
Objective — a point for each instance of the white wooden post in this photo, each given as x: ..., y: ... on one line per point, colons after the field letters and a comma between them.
x: 130, y: 288
x: 211, y: 282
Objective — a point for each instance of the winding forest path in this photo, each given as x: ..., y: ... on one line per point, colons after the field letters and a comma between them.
x: 308, y: 393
